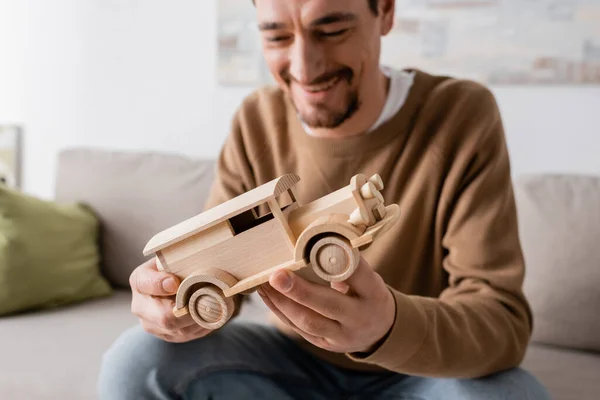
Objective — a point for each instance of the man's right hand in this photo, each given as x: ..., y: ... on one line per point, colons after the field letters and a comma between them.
x: 153, y: 301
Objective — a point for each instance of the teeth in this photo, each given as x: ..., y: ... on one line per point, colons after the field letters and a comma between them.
x: 323, y: 86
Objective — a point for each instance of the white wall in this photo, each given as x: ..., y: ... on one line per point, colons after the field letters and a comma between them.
x: 552, y: 129
x: 139, y: 74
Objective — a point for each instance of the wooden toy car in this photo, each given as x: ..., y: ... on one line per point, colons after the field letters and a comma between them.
x: 230, y: 249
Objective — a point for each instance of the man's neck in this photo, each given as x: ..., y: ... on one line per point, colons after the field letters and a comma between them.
x: 367, y: 115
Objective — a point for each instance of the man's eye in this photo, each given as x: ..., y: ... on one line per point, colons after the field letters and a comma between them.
x: 277, y: 38
x: 334, y: 33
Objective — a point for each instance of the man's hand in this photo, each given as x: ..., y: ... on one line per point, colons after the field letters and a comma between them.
x: 351, y: 316
x: 153, y: 301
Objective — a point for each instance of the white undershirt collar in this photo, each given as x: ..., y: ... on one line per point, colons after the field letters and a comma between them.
x: 400, y: 84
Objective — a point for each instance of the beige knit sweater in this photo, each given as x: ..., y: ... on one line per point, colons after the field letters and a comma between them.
x: 454, y: 260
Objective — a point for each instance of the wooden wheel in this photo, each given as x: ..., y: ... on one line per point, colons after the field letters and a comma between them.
x: 210, y: 308
x: 333, y: 258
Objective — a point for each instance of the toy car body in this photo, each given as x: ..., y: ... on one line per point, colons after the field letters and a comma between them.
x: 230, y: 249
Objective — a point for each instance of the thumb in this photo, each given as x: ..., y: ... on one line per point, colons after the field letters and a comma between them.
x: 148, y: 280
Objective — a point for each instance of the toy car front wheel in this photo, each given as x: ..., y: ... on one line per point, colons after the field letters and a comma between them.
x: 210, y: 308
x: 333, y: 258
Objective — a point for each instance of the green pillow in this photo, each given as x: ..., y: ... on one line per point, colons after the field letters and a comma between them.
x: 49, y: 253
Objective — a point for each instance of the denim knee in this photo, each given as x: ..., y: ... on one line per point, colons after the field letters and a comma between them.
x: 515, y: 383
x: 127, y: 366
x: 138, y: 365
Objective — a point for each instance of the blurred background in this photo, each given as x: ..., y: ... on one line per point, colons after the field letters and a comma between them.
x: 136, y: 75
x: 125, y: 80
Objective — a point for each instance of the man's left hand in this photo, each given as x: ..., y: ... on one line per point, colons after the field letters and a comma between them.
x: 351, y: 316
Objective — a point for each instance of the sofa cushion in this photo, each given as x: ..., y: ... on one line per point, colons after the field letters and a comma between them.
x: 559, y: 220
x: 566, y: 374
x: 49, y: 253
x: 135, y: 195
x: 57, y: 354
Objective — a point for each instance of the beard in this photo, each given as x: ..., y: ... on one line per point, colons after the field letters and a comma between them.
x: 322, y: 115
x: 325, y: 117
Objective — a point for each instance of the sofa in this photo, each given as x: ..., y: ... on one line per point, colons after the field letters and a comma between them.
x: 56, y: 353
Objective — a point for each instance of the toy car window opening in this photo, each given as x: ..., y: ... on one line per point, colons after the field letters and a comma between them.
x: 247, y: 220
x: 254, y: 217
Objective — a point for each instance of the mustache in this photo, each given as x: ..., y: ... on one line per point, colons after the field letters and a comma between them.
x: 343, y: 73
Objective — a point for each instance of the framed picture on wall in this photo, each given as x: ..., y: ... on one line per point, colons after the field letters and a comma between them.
x: 508, y: 42
x: 10, y: 156
x: 240, y: 60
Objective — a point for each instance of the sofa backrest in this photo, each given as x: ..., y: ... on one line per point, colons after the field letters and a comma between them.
x: 135, y: 195
x: 559, y: 223
x: 139, y: 194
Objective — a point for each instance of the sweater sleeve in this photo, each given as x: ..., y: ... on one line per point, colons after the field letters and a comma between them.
x: 481, y: 323
x: 233, y: 170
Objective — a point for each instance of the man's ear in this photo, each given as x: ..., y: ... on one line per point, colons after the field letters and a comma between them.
x: 386, y: 11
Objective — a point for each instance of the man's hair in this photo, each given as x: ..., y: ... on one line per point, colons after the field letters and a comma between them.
x: 372, y: 6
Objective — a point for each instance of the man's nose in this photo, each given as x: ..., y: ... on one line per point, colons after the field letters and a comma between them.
x: 307, y: 61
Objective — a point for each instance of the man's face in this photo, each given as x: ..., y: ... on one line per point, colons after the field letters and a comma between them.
x: 323, y: 53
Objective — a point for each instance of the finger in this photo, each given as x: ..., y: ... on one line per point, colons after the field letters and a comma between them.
x: 177, y: 336
x: 198, y: 333
x: 189, y: 332
x: 303, y: 317
x: 275, y: 310
x: 147, y: 279
x: 159, y: 311
x: 316, y: 340
x: 364, y: 281
x: 153, y: 329
x: 341, y: 287
x: 321, y: 299
x: 184, y: 321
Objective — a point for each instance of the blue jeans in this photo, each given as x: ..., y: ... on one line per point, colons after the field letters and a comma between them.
x: 247, y: 361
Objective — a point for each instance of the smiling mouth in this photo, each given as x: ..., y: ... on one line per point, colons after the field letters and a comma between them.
x: 322, y: 87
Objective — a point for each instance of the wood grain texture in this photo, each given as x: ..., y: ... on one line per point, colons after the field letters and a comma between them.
x: 283, y: 224
x: 262, y: 277
x: 358, y: 217
x: 196, y: 243
x: 230, y: 249
x: 334, y: 259
x: 392, y: 214
x: 356, y: 183
x: 220, y: 213
x: 243, y: 255
x: 328, y: 224
x: 377, y: 181
x: 339, y: 202
x: 161, y: 263
x: 209, y: 308
x: 379, y: 211
x: 361, y: 241
x: 212, y: 276
x: 368, y: 190
x: 293, y: 193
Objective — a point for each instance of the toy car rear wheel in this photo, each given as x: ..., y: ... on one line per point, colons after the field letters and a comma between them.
x: 210, y: 308
x: 333, y: 258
